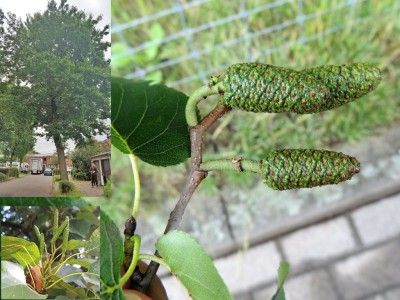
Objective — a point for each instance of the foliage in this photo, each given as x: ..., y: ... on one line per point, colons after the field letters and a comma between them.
x: 257, y: 135
x: 283, y: 272
x: 107, y: 188
x: 3, y: 177
x: 59, y: 254
x: 157, y: 132
x: 81, y: 159
x: 65, y: 186
x: 16, y: 123
x: 60, y: 54
x: 197, y: 273
x: 249, y: 87
x: 13, y: 172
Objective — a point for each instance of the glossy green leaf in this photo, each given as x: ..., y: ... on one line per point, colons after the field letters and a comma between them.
x: 71, y: 290
x: 75, y: 244
x: 69, y: 273
x: 93, y: 244
x: 13, y: 285
x: 80, y: 227
x: 149, y: 121
x: 283, y: 271
x: 86, y: 263
x: 88, y: 216
x: 111, y: 248
x: 193, y: 267
x: 26, y: 253
x: 94, y: 268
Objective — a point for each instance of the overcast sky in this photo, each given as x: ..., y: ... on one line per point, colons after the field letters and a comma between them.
x: 23, y: 7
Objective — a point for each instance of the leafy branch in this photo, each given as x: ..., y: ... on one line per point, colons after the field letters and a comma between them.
x: 157, y: 135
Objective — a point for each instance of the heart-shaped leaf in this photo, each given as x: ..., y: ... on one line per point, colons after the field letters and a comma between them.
x: 26, y: 253
x: 193, y: 267
x: 13, y: 285
x: 111, y: 248
x: 149, y: 121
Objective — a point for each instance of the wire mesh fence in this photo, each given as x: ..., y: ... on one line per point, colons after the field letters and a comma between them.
x: 173, y: 44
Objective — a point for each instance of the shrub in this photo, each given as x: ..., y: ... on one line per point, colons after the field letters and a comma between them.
x: 107, y: 188
x: 3, y: 177
x: 79, y: 175
x: 65, y: 186
x: 57, y: 178
x: 14, y: 172
x: 4, y: 171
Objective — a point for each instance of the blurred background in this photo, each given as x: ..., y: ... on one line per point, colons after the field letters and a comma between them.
x: 333, y: 235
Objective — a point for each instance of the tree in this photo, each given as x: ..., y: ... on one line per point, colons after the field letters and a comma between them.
x: 59, y: 54
x: 17, y: 129
x: 81, y: 158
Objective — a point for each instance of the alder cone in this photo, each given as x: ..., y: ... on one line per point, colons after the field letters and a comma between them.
x: 346, y: 82
x: 307, y: 168
x: 260, y: 87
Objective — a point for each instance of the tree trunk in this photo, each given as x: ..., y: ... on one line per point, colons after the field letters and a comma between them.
x: 61, y: 158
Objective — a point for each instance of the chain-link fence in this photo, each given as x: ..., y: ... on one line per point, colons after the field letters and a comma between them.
x: 183, y: 42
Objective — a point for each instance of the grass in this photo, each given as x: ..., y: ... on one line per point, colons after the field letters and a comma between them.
x: 365, y: 31
x: 74, y: 194
x: 57, y: 193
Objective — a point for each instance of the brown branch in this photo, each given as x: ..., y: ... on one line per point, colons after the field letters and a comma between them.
x: 195, y: 178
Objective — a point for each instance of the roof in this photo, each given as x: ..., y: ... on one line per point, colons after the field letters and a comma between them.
x: 102, y: 154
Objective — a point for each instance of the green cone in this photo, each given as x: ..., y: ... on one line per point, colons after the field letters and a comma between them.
x: 307, y: 168
x: 347, y: 82
x: 265, y: 88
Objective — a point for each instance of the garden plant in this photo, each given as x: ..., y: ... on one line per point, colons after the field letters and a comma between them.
x: 57, y: 259
x: 163, y: 127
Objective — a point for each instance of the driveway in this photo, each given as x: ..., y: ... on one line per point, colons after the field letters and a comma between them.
x: 27, y: 186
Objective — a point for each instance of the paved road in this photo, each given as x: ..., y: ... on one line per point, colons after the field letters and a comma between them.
x: 27, y: 186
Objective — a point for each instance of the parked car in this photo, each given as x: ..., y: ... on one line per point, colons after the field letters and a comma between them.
x: 69, y: 170
x: 48, y: 172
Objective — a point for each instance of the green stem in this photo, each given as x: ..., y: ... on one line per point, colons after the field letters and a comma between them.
x: 135, y: 256
x: 136, y: 178
x: 196, y: 97
x: 234, y: 164
x: 154, y: 258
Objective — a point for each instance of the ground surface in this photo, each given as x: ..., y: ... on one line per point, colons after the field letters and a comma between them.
x: 27, y: 186
x: 354, y: 256
x: 85, y: 187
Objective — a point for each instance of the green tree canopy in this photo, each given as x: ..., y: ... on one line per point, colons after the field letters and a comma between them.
x: 60, y: 55
x: 81, y: 158
x: 17, y: 135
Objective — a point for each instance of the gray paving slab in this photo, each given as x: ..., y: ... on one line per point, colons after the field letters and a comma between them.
x: 244, y: 270
x: 174, y: 288
x: 393, y: 294
x: 319, y: 242
x: 369, y: 272
x: 378, y: 221
x: 315, y: 285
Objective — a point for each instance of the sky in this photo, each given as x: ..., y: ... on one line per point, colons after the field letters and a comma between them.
x: 23, y: 7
